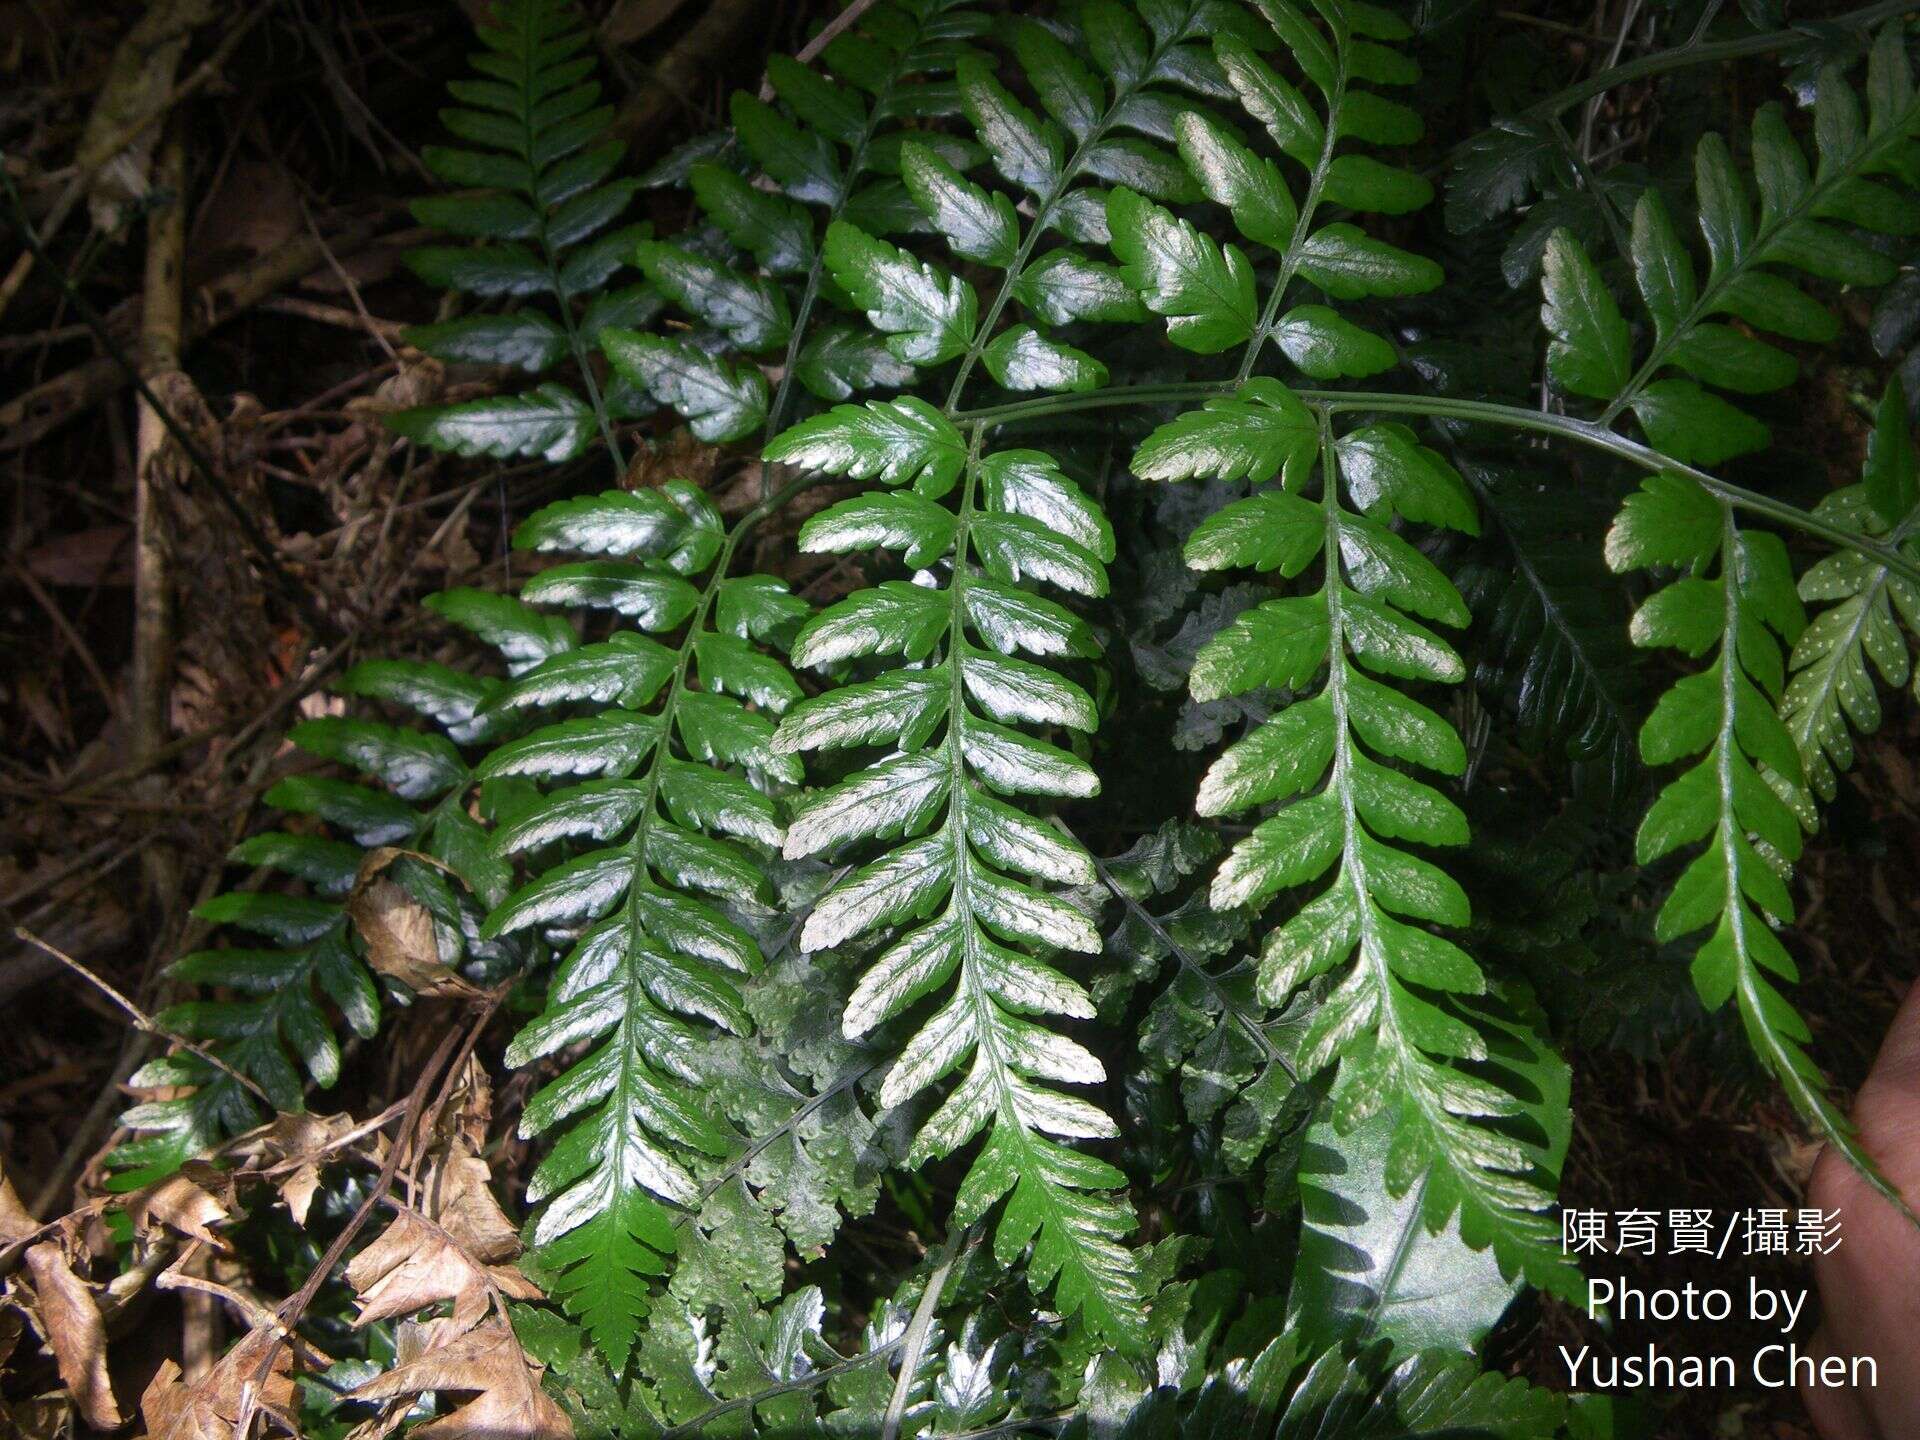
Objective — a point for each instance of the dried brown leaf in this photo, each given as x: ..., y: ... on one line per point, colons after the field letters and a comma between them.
x: 488, y: 1361
x: 398, y: 929
x: 191, y: 1200
x: 289, y: 1150
x: 461, y: 1254
x: 233, y: 1388
x: 70, y: 1322
x: 15, y: 1222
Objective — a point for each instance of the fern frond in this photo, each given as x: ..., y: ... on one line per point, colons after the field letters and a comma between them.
x: 1333, y: 753
x: 845, y: 143
x: 1831, y: 691
x: 967, y: 858
x: 1207, y: 291
x: 956, y: 888
x: 1863, y: 177
x: 1329, y: 760
x: 674, y: 763
x: 1744, y: 795
x: 538, y: 202
x: 274, y: 1020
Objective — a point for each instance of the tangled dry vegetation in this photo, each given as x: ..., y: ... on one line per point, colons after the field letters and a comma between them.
x: 224, y: 187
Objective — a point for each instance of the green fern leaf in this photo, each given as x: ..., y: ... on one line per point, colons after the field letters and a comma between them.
x: 1369, y: 1266
x: 550, y: 422
x: 540, y: 210
x: 1831, y: 692
x: 1331, y: 754
x: 276, y: 1029
x: 958, y: 866
x: 1860, y: 179
x: 1744, y: 795
x: 659, y: 955
x: 1348, y: 1393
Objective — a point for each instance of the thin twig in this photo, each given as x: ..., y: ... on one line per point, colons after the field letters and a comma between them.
x: 829, y: 32
x: 295, y: 1305
x: 203, y: 466
x: 376, y: 329
x: 141, y: 1020
x: 250, y: 1309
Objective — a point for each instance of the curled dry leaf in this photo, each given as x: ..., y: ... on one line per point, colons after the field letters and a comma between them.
x: 288, y: 1152
x: 486, y: 1361
x: 69, y: 1320
x: 461, y: 1252
x: 190, y: 1201
x: 398, y: 929
x: 16, y: 1223
x: 232, y: 1390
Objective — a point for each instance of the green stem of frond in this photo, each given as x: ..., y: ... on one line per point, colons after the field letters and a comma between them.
x: 1703, y: 52
x: 1353, y: 865
x: 919, y: 1332
x: 985, y: 1017
x: 1512, y: 417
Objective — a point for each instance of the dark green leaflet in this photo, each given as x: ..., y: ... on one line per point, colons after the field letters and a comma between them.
x: 296, y: 961
x: 538, y: 194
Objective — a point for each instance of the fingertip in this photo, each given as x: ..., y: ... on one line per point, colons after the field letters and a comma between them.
x: 1836, y: 1412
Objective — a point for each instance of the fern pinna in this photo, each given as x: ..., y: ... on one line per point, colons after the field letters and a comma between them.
x: 1400, y: 1023
x: 829, y: 935
x: 1749, y: 794
x: 408, y: 839
x: 544, y: 194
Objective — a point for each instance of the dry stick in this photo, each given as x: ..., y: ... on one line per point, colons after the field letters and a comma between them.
x: 1613, y: 59
x: 291, y: 691
x: 73, y: 637
x: 384, y: 331
x: 160, y: 326
x: 256, y: 1313
x: 197, y: 80
x: 199, y: 1315
x: 45, y: 408
x: 141, y: 1020
x: 290, y: 1311
x: 829, y: 32
x: 203, y: 466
